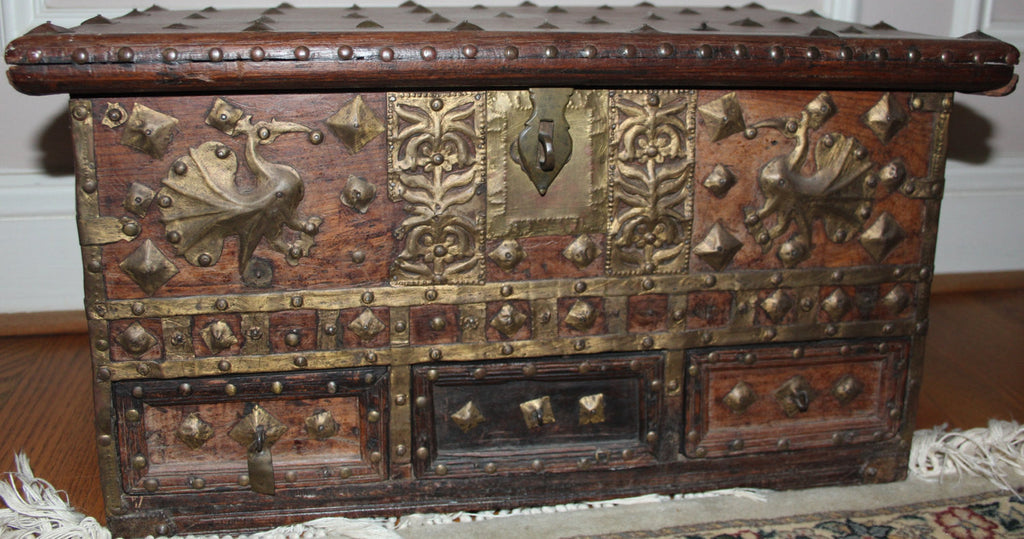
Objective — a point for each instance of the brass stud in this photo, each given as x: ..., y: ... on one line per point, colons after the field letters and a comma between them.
x: 433, y: 375
x: 583, y: 368
x: 579, y: 345
x: 300, y: 362
x: 490, y: 467
x: 705, y: 51
x: 293, y: 338
x: 551, y: 51
x: 736, y: 445
x: 430, y: 295
x: 151, y: 484
x: 368, y: 378
x: 197, y: 483
x: 230, y: 390
x: 422, y: 402
x: 511, y: 53
x: 506, y: 290
x: 506, y: 349
x: 537, y: 465
x: 277, y: 387
x: 215, y: 54
x: 221, y: 304
x: 302, y: 53
x: 243, y: 480
x: 580, y: 287
x: 479, y: 373
x: 139, y: 462
x: 438, y: 323
x: 709, y: 281
x: 888, y: 329
x: 777, y: 53
x: 647, y: 343
x: 80, y: 56
x: 400, y: 326
x: 436, y: 354
x: 693, y: 370
x: 589, y: 51
x: 345, y: 52
x: 813, y: 53
x: 428, y: 53
x: 831, y: 330
x: 401, y: 450
x: 782, y: 444
x: 170, y: 55
x: 628, y: 51
x: 401, y: 399
x: 647, y: 284
x: 692, y: 436
x: 441, y: 469
x: 387, y: 54
x: 125, y: 54
x: 529, y: 369
x: 422, y: 453
x: 291, y: 476
x: 665, y: 50
x: 652, y: 437
x: 469, y: 51
x: 332, y: 387
x: 35, y: 55
x: 672, y: 385
x: 185, y: 389
x: 701, y: 452
x: 656, y: 385
x: 89, y: 186
x: 131, y: 228
x: 297, y: 301
x: 103, y: 374
x: 162, y: 529
x: 373, y: 416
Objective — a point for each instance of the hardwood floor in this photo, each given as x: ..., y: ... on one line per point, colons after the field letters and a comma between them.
x: 974, y: 370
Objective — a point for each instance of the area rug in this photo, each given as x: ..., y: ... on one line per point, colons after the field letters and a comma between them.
x: 963, y: 485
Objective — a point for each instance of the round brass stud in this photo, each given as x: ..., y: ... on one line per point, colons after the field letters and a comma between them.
x: 506, y: 349
x: 913, y: 54
x: 583, y: 368
x: 693, y: 370
x: 580, y: 287
x: 888, y: 329
x: 706, y: 52
x: 672, y: 385
x: 428, y: 53
x: 387, y: 54
x: 401, y: 450
x: 137, y: 392
x: 257, y: 54
x: 529, y: 369
x: 479, y: 373
x: 710, y: 280
x: 551, y: 51
x: 579, y: 345
x: 647, y: 343
x: 344, y: 472
x: 807, y: 304
x: 880, y: 55
x: 589, y: 51
x: 798, y: 352
x: 162, y: 529
x: 230, y: 390
x: 441, y: 469
x: 438, y: 323
x: 783, y: 443
x: 345, y: 52
x: 769, y: 334
x: 197, y: 483
x: 701, y: 452
x: 647, y: 284
x: 371, y: 357
x: 707, y: 337
x: 656, y: 385
x: 430, y: 295
x: 131, y: 228
x: 185, y: 389
x: 665, y: 50
x: 422, y: 402
x: 103, y: 374
x: 433, y: 375
x: 401, y: 399
x: 143, y: 369
x: 736, y: 445
x: 94, y: 266
x: 331, y: 329
x: 277, y: 388
x: 435, y: 354
x: 422, y: 453
x: 813, y: 53
x: 777, y: 53
x: 80, y: 56
x: 469, y: 51
x: 367, y: 298
x: 300, y: 362
x: 139, y: 462
x: 506, y: 290
x: 170, y: 55
x: 537, y: 465
x: 490, y: 467
x: 511, y: 53
x: 105, y: 440
x: 332, y: 387
x: 215, y: 54
x: 151, y: 485
x: 845, y: 53
x: 293, y: 338
x: 125, y: 54
x: 678, y: 315
x: 297, y: 301
x: 35, y: 55
x: 831, y: 330
x: 652, y: 437
x: 302, y: 53
x: 740, y: 51
x: 634, y: 365
x: 221, y: 304
x: 358, y: 257
x: 692, y: 436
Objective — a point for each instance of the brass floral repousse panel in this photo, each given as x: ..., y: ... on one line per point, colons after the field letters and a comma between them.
x: 435, y: 167
x: 651, y: 199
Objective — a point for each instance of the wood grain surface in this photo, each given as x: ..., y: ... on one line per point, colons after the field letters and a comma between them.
x: 972, y: 373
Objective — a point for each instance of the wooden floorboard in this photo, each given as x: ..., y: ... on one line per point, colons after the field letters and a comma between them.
x: 974, y: 371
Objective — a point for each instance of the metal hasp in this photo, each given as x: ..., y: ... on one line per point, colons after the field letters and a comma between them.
x: 257, y: 432
x: 544, y: 143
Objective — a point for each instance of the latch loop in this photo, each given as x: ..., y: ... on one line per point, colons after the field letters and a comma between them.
x: 544, y: 143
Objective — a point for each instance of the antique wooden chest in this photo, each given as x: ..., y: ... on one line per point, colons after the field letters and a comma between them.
x: 373, y: 261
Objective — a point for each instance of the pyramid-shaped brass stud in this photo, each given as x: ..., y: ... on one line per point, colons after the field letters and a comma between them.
x: 320, y: 425
x: 718, y: 248
x: 149, y: 131
x: 723, y: 117
x: 194, y: 431
x: 777, y: 306
x: 795, y: 396
x: 149, y: 268
x: 138, y: 199
x: 355, y: 124
x: 218, y: 336
x: 136, y: 340
x: 507, y: 255
x: 366, y: 326
x: 882, y: 236
x: 508, y: 320
x: 820, y: 110
x: 468, y: 417
x: 886, y: 118
x: 720, y: 180
x: 592, y: 409
x: 740, y: 397
x: 581, y: 316
x: 846, y: 389
x: 245, y: 431
x: 836, y: 305
x: 537, y: 412
x: 581, y: 252
x: 897, y: 300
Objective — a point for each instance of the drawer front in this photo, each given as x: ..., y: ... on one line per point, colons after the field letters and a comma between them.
x: 318, y: 429
x: 777, y: 398
x: 553, y: 414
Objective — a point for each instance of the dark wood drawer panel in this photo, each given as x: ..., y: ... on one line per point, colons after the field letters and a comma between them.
x: 545, y: 415
x: 323, y: 428
x: 777, y: 398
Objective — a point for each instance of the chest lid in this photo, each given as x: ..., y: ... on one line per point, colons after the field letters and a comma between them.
x: 413, y: 46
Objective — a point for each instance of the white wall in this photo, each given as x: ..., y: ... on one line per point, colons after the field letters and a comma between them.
x: 39, y: 263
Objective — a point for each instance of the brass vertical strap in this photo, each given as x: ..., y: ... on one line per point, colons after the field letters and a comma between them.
x: 545, y: 319
x: 255, y: 333
x: 400, y: 327
x: 400, y: 436
x: 328, y: 334
x: 473, y: 322
x: 616, y: 314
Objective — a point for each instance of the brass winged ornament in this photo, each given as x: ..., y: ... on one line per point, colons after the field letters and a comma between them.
x: 201, y: 203
x: 838, y: 191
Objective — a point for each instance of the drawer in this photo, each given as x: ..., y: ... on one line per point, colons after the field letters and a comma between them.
x: 747, y: 400
x: 547, y: 415
x: 325, y: 429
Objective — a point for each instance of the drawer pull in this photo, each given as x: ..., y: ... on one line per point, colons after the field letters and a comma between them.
x: 795, y: 395
x: 257, y: 432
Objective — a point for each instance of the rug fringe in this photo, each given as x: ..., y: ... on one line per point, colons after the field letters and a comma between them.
x: 994, y: 453
x: 39, y: 510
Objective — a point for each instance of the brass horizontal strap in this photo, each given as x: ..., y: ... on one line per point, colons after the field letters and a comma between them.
x: 104, y: 230
x: 407, y: 296
x: 570, y: 346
